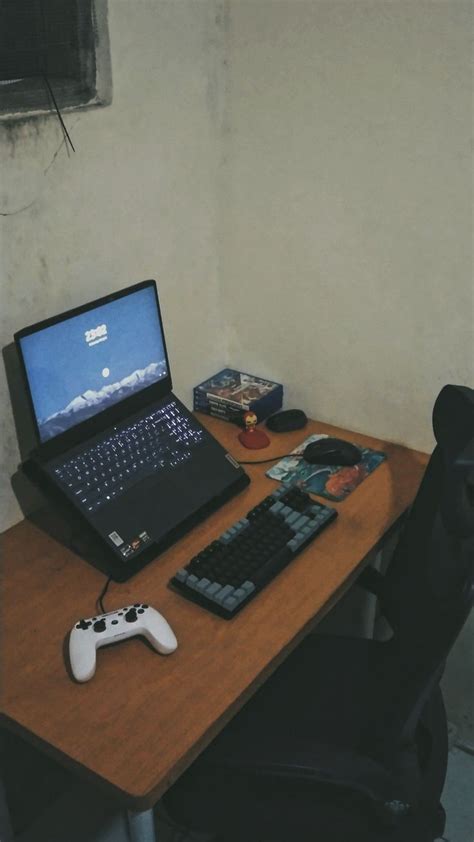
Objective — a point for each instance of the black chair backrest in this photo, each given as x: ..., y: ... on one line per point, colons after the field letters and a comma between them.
x: 428, y: 589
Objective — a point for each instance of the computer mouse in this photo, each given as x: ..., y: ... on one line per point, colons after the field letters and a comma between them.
x: 287, y: 420
x: 331, y: 451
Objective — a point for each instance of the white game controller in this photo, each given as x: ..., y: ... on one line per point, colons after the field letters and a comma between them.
x: 89, y: 635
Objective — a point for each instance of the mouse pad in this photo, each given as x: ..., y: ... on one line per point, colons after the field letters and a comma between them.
x: 331, y: 481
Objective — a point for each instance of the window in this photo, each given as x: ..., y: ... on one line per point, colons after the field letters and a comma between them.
x: 53, y: 48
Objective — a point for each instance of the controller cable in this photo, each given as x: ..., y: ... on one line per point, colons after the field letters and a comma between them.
x: 99, y: 602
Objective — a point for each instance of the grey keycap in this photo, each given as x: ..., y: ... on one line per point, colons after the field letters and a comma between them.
x: 230, y: 602
x: 296, y: 541
x: 224, y: 592
x: 202, y: 585
x: 277, y: 507
x: 302, y: 521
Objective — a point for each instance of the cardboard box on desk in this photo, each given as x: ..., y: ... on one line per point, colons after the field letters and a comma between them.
x: 230, y: 393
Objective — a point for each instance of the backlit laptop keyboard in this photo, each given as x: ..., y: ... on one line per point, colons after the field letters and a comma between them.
x: 99, y: 473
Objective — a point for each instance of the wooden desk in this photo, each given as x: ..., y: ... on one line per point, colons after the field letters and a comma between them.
x: 137, y: 725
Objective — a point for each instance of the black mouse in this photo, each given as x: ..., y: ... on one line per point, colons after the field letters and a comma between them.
x: 287, y: 420
x: 331, y: 452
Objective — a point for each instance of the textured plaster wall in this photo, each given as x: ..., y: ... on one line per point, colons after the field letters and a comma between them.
x: 346, y: 244
x: 137, y: 200
x: 298, y: 180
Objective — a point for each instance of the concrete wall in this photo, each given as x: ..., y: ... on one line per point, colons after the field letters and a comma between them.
x: 137, y: 200
x: 346, y: 248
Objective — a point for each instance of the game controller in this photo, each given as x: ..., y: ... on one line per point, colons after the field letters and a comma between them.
x: 88, y: 635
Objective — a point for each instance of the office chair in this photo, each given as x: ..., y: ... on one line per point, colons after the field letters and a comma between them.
x: 348, y: 739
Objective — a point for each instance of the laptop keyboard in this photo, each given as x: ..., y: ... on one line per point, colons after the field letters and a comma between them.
x: 98, y: 474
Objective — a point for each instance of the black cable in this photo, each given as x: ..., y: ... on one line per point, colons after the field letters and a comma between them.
x: 43, y: 69
x: 272, y: 459
x: 99, y: 602
x: 60, y: 118
x: 52, y: 105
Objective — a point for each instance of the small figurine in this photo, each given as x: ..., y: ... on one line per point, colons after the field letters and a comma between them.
x: 251, y: 437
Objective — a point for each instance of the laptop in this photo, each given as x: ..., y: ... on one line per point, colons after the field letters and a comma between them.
x: 116, y: 447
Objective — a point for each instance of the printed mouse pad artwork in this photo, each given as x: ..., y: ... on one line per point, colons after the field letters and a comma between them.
x: 331, y: 481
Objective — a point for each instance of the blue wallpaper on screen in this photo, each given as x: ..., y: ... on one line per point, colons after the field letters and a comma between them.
x: 80, y: 366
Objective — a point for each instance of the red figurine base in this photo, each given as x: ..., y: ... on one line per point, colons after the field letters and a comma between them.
x: 254, y: 439
x: 251, y: 437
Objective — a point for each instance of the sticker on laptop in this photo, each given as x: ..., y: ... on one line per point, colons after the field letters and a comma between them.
x: 135, y: 544
x: 116, y: 539
x: 126, y: 550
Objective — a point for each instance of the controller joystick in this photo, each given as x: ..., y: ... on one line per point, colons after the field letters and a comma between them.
x: 88, y: 635
x: 83, y: 624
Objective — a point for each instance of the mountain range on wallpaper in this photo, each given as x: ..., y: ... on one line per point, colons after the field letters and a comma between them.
x: 90, y: 402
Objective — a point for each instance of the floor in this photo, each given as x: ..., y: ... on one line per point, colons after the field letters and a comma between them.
x: 458, y: 797
x: 80, y: 815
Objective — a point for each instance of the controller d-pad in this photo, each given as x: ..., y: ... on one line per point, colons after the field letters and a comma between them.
x: 99, y: 626
x: 131, y: 616
x: 83, y: 624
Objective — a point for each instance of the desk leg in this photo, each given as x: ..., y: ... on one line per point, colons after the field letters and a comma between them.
x: 141, y: 826
x: 370, y: 617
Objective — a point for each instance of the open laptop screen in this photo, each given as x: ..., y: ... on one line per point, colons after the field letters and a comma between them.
x: 86, y: 363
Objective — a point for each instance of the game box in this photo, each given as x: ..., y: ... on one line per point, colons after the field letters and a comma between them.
x: 230, y: 393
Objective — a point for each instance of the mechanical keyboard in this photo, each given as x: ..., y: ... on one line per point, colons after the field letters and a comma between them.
x: 230, y: 571
x: 96, y: 474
